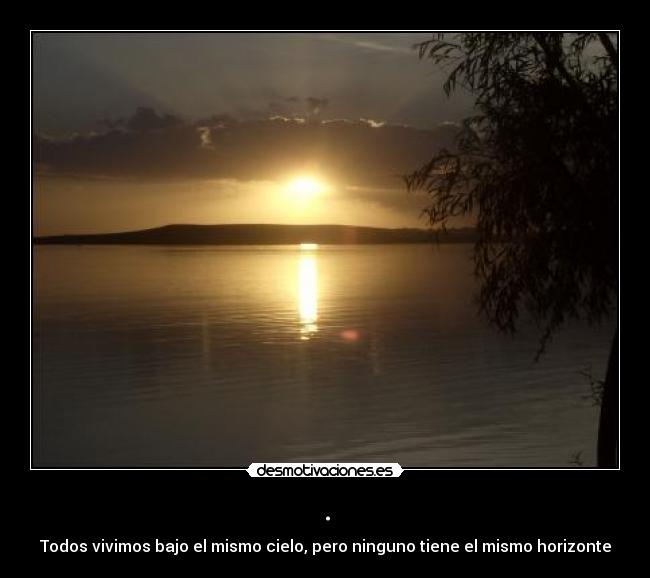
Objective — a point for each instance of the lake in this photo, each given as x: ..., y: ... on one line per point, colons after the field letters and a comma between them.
x: 151, y: 356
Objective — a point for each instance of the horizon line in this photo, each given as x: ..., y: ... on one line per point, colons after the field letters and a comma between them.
x: 253, y: 224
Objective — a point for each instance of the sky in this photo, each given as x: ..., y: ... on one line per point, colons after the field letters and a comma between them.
x: 137, y: 130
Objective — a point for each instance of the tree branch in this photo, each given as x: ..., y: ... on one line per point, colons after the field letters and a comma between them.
x: 612, y: 51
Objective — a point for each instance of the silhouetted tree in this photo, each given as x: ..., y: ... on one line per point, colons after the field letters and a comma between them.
x: 537, y: 167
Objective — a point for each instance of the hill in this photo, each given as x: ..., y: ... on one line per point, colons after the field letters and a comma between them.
x: 259, y: 235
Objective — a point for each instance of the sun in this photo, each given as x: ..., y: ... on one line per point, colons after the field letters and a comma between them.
x: 306, y: 188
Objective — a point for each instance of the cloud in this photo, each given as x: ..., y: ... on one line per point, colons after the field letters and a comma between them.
x: 296, y: 106
x: 149, y: 146
x: 367, y: 44
x: 316, y: 105
x: 146, y: 119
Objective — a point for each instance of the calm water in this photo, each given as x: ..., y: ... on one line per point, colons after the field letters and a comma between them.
x: 204, y: 356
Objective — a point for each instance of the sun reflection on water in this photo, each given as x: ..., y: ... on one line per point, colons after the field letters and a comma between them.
x: 307, y: 291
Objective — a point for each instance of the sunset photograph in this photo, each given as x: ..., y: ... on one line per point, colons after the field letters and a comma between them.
x: 325, y: 247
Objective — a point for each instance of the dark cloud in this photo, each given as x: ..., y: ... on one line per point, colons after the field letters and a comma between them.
x: 111, y: 123
x: 216, y: 120
x: 146, y: 119
x: 295, y: 106
x: 153, y: 146
x: 316, y: 105
x: 281, y: 108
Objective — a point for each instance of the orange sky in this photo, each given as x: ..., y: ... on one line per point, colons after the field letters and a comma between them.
x: 64, y: 205
x: 135, y: 131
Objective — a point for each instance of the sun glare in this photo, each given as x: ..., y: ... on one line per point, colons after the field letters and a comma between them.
x: 306, y: 188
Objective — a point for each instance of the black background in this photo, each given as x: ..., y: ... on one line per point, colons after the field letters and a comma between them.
x: 85, y: 506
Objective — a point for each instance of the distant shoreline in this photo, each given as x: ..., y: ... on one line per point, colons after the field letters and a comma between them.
x: 262, y: 234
